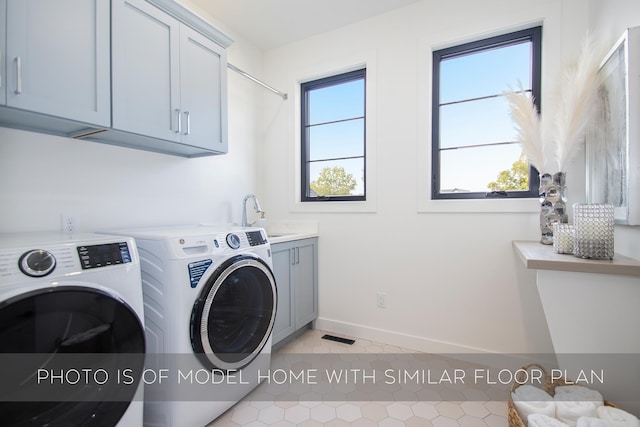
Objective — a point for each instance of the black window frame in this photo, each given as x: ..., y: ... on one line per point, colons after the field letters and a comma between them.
x: 533, y: 35
x: 305, y: 88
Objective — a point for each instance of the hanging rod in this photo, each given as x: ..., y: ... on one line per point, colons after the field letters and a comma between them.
x: 261, y: 83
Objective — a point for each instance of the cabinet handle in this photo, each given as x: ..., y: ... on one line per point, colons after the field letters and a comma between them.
x: 179, y: 119
x: 187, y: 117
x: 297, y: 255
x: 18, y: 75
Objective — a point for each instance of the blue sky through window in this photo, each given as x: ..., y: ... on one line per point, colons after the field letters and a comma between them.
x: 473, y: 113
x: 337, y: 130
x: 485, y: 73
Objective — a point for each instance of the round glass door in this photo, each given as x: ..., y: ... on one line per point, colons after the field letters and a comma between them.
x: 71, y: 356
x: 232, y: 320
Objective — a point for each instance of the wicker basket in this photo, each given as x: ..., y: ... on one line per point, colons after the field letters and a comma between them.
x: 548, y: 386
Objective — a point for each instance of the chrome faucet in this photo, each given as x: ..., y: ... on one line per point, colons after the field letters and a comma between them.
x: 256, y: 207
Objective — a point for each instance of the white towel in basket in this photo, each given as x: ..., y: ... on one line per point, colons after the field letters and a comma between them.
x: 579, y: 393
x: 618, y: 417
x: 541, y: 420
x: 569, y: 411
x: 528, y: 400
x: 593, y: 422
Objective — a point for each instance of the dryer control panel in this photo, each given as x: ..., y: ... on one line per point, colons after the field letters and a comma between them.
x: 52, y: 255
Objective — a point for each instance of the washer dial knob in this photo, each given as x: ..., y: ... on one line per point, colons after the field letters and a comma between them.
x: 233, y: 241
x: 37, y: 263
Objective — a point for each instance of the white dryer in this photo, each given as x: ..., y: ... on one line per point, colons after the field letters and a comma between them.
x: 71, y: 330
x: 210, y: 304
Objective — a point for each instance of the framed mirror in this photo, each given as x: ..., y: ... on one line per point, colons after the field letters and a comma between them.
x: 613, y: 143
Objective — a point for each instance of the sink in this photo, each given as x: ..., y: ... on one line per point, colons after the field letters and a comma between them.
x: 279, y: 234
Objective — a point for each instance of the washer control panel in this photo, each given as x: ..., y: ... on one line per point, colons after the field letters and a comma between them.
x: 37, y: 263
x: 233, y: 240
x: 217, y: 242
x: 94, y: 256
x: 256, y: 238
x: 251, y: 238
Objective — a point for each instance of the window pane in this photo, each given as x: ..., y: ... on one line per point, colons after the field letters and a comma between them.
x: 475, y: 142
x: 485, y: 73
x: 334, y: 139
x: 346, y: 177
x: 472, y: 169
x: 483, y: 121
x: 342, y: 139
x: 339, y: 102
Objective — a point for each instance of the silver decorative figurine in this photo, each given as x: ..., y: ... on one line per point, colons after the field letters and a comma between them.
x: 552, y: 204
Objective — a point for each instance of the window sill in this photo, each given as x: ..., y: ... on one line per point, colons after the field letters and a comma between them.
x: 480, y: 205
x: 367, y: 206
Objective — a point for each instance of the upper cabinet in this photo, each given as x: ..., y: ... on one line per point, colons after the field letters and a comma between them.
x: 203, y: 95
x: 169, y: 81
x: 56, y: 59
x: 146, y: 70
x: 146, y: 74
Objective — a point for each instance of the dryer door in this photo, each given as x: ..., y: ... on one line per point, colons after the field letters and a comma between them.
x: 232, y: 320
x: 66, y: 345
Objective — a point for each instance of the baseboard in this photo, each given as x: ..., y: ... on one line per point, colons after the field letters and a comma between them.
x: 426, y: 345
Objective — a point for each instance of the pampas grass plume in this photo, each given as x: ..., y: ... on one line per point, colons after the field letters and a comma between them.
x: 576, y: 102
x: 525, y: 116
x: 550, y: 144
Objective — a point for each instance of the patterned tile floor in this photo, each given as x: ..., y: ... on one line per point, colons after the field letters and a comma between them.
x: 314, y: 413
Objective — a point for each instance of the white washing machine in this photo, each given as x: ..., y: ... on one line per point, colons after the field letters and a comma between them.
x: 72, y: 339
x: 210, y: 304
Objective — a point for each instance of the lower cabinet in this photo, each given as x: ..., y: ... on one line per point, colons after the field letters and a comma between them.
x: 295, y: 269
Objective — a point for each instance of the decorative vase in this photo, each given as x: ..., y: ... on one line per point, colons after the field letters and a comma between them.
x: 594, y: 231
x: 563, y: 238
x: 552, y: 204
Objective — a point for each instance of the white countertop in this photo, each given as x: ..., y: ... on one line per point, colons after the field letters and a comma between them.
x: 287, y: 231
x: 290, y: 236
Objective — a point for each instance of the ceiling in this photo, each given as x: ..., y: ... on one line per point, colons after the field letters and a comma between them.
x: 272, y: 23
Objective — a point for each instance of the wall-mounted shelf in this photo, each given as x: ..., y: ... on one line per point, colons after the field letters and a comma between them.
x: 542, y: 257
x: 591, y: 308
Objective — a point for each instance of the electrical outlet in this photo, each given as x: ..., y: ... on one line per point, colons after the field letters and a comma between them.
x: 381, y: 300
x: 69, y: 224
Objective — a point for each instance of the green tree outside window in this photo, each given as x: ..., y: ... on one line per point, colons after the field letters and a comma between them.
x: 333, y: 181
x: 514, y: 179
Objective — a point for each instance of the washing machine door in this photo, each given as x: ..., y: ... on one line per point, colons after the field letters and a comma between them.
x: 66, y: 345
x: 232, y: 319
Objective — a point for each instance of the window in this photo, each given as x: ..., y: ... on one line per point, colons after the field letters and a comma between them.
x: 333, y: 138
x: 475, y: 153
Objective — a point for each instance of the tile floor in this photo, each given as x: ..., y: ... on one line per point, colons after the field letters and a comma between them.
x: 314, y: 413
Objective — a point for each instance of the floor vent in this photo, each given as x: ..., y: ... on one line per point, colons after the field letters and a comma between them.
x: 338, y: 339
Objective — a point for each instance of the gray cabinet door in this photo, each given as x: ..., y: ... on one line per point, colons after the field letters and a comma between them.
x: 282, y: 269
x: 295, y: 266
x: 58, y: 63
x: 146, y: 67
x: 203, y: 91
x: 306, y: 289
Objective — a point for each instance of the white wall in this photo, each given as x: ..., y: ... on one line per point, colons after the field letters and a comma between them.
x: 111, y: 187
x: 451, y: 278
x: 611, y: 18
